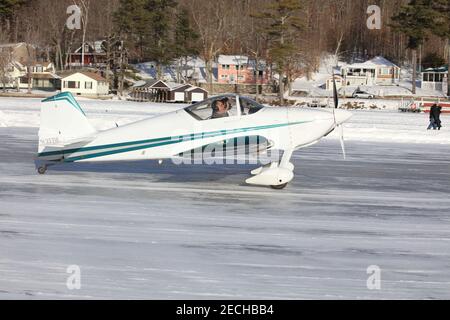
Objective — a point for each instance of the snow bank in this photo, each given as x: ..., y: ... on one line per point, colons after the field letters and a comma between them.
x: 391, y: 126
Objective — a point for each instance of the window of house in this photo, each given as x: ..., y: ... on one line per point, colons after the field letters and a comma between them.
x: 73, y: 84
x: 385, y: 71
x: 224, y: 76
x: 39, y: 69
x: 88, y: 85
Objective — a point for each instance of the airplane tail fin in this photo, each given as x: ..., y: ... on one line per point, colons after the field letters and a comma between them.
x: 63, y: 122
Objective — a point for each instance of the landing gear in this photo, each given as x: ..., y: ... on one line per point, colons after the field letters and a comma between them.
x: 42, y: 169
x: 276, y: 175
x: 279, y: 187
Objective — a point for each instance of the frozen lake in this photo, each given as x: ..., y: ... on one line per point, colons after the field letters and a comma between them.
x: 140, y: 230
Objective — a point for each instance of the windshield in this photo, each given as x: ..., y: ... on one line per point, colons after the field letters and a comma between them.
x: 214, y: 108
x: 249, y: 106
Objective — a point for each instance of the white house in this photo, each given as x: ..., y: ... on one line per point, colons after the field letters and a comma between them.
x: 339, y: 82
x: 42, y: 74
x: 11, y: 75
x: 85, y: 83
x: 435, y: 79
x: 378, y: 71
x: 15, y: 59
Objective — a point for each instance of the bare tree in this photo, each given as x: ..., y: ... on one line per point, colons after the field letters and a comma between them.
x: 5, y: 61
x: 210, y: 19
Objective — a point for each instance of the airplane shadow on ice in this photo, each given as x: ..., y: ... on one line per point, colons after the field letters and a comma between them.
x: 165, y: 172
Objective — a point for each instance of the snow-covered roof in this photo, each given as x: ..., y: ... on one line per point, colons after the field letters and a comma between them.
x: 373, y: 63
x: 195, y: 88
x: 262, y: 64
x: 233, y: 59
x: 437, y: 70
x: 195, y: 70
x: 95, y: 45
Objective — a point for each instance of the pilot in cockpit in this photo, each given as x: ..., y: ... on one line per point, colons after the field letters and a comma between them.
x: 221, y: 108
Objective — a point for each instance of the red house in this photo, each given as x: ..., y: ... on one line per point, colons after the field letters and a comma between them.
x: 236, y: 69
x: 94, y: 56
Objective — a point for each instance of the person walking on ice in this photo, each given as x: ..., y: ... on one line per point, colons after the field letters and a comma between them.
x: 435, y: 117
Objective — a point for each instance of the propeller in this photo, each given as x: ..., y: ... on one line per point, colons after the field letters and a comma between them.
x: 336, y: 124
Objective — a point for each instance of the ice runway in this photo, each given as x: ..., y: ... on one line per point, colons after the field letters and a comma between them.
x: 143, y: 231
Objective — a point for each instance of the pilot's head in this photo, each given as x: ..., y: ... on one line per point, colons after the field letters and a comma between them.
x: 226, y: 103
x: 222, y: 105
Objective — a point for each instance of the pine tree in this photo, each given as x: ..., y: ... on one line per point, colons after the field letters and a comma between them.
x: 415, y: 20
x: 7, y: 7
x: 185, y: 39
x: 160, y: 48
x: 283, y: 23
x: 132, y: 23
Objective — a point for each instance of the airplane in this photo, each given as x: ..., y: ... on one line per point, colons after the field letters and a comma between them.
x: 66, y: 136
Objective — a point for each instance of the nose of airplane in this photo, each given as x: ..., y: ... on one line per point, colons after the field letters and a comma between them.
x: 342, y: 116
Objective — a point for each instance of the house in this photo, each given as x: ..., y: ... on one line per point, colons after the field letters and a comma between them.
x: 20, y: 52
x: 85, y: 83
x: 196, y: 94
x: 10, y: 75
x: 378, y: 71
x: 43, y: 76
x: 94, y: 56
x: 435, y: 79
x: 238, y: 69
x: 161, y: 91
x: 178, y: 93
x: 17, y: 60
x: 339, y: 82
x: 150, y: 90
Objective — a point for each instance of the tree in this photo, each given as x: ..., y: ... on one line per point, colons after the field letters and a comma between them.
x: 185, y: 40
x: 5, y: 64
x: 132, y: 21
x: 8, y: 8
x: 160, y: 48
x: 283, y: 23
x: 441, y: 28
x: 210, y: 21
x: 414, y: 20
x: 433, y: 60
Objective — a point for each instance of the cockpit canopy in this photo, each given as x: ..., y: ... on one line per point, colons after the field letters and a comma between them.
x: 223, y: 107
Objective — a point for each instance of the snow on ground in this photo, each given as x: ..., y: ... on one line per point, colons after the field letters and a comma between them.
x: 315, y: 85
x: 142, y: 230
x: 195, y: 69
x: 366, y: 125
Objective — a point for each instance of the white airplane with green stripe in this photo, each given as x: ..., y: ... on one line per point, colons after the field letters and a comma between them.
x: 65, y: 134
